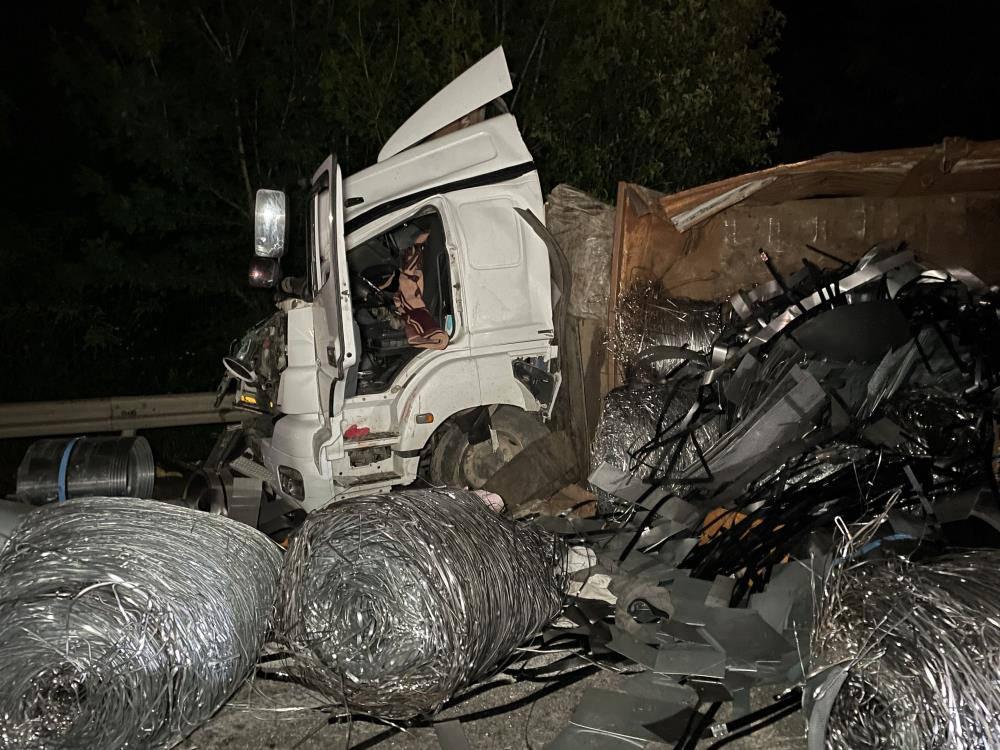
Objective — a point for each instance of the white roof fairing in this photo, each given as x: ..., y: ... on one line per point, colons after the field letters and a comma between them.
x: 485, y: 81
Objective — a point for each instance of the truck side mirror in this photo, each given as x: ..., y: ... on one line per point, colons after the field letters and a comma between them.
x: 269, y: 224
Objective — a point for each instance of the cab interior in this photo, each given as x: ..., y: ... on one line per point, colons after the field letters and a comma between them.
x: 373, y: 267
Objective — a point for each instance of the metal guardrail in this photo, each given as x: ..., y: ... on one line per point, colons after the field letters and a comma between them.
x: 116, y: 414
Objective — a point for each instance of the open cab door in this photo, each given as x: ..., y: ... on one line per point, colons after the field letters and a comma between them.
x: 336, y: 349
x: 320, y: 357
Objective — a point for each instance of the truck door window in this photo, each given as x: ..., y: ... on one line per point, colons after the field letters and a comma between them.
x: 323, y: 239
x: 391, y: 333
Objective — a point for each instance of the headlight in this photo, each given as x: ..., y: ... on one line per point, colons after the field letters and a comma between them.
x: 291, y: 482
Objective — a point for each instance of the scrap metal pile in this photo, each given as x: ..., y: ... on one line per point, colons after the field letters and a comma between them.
x: 826, y: 400
x: 786, y: 480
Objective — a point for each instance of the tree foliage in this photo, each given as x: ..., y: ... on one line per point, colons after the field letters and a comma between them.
x: 666, y: 94
x: 130, y: 263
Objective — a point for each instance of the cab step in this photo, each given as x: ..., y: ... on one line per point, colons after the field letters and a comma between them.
x: 363, y: 480
x: 250, y: 468
x: 371, y: 440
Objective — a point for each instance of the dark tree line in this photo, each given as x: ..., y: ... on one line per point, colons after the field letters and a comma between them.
x: 138, y: 132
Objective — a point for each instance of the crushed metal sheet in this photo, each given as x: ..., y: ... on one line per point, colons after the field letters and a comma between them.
x: 687, y: 589
x: 631, y: 648
x: 620, y: 714
x: 661, y: 531
x: 660, y: 687
x: 744, y: 635
x: 580, y: 738
x: 681, y: 631
x: 673, y: 727
x: 721, y: 592
x: 451, y: 736
x: 710, y: 691
x: 689, y: 659
x: 879, y: 326
x: 775, y: 603
x: 674, y: 552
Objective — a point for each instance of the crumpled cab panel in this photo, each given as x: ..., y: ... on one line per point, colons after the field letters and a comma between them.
x: 485, y: 81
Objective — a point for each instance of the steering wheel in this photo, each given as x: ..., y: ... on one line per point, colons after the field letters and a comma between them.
x: 375, y: 278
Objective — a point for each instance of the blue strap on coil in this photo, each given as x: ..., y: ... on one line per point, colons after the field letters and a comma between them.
x: 64, y: 466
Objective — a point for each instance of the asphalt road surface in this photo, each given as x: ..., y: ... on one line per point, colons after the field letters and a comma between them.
x: 272, y: 715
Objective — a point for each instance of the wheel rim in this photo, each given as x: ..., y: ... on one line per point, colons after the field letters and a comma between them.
x: 479, y: 462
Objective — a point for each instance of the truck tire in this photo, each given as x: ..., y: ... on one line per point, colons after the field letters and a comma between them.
x: 456, y: 463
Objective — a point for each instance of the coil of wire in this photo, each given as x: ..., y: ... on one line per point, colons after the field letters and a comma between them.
x: 922, y: 645
x: 391, y: 603
x: 126, y: 623
x: 646, y: 317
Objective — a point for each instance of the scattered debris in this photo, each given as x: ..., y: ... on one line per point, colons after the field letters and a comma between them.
x: 828, y: 398
x: 853, y: 403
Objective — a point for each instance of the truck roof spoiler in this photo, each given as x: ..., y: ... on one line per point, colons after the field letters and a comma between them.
x: 485, y: 81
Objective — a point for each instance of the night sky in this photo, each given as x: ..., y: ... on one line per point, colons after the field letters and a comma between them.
x: 862, y: 76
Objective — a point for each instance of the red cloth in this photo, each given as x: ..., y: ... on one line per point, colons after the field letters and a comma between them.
x: 422, y: 331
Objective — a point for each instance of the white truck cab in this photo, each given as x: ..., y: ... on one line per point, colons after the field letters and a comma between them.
x: 343, y: 403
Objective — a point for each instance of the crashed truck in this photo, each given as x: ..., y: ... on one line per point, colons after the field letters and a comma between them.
x: 354, y: 384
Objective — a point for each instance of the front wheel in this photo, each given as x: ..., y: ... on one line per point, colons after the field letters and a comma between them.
x: 457, y: 463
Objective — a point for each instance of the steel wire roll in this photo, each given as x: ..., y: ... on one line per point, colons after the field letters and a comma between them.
x: 628, y: 422
x: 126, y: 623
x: 922, y: 645
x: 646, y: 317
x: 391, y: 603
x: 86, y: 467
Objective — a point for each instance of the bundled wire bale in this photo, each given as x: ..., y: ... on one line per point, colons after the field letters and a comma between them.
x: 647, y: 318
x: 127, y: 623
x: 921, y: 641
x: 632, y: 416
x: 391, y: 603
